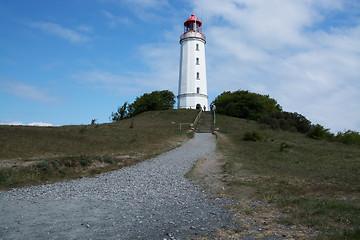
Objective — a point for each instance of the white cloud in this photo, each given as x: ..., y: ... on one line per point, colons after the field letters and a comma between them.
x: 114, y: 21
x: 145, y: 10
x: 100, y: 79
x: 37, y: 124
x: 161, y: 61
x: 27, y: 91
x: 49, y: 66
x: 147, y: 3
x: 60, y: 31
x: 40, y: 124
x: 140, y: 3
x: 85, y: 28
x: 282, y: 48
x: 13, y: 123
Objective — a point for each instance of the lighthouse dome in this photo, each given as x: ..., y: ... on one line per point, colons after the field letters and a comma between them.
x: 189, y: 22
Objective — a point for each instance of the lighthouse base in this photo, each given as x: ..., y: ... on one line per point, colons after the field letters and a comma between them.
x: 193, y: 101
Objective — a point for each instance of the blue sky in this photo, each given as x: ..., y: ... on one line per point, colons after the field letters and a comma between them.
x: 71, y: 61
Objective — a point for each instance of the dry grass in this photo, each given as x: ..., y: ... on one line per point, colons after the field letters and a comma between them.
x: 311, y: 183
x: 35, y: 155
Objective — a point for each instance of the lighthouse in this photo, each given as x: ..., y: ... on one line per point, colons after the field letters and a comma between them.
x: 192, y: 74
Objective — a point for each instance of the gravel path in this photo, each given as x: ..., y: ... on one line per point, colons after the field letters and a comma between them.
x: 151, y: 200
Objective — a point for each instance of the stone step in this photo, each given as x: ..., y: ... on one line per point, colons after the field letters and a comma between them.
x: 205, y: 123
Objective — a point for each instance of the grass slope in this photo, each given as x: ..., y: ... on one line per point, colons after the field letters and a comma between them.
x: 35, y: 155
x: 314, y: 183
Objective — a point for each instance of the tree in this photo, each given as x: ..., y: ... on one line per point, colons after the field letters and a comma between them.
x: 319, y: 132
x: 348, y: 137
x: 287, y: 121
x: 121, y: 113
x: 156, y: 100
x: 245, y: 104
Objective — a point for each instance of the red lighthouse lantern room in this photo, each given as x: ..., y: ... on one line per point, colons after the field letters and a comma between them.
x: 192, y: 29
x: 192, y: 24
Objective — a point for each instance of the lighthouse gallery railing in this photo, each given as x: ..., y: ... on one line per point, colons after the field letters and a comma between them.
x: 192, y: 34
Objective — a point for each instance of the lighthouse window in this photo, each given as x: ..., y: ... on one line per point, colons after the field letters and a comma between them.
x: 197, y: 61
x: 198, y: 75
x: 197, y: 47
x: 198, y: 90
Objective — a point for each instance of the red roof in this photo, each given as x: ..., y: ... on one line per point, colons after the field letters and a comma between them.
x: 192, y: 19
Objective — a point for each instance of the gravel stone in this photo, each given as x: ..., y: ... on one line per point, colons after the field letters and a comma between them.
x: 150, y: 200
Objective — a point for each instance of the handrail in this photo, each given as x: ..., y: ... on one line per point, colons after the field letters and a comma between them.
x: 197, y: 119
x: 214, y: 120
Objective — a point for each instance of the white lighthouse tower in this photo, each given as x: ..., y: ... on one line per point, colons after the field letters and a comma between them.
x: 192, y: 76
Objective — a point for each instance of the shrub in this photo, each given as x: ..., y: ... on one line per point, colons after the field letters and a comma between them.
x: 348, y: 137
x: 245, y: 104
x: 156, y: 100
x: 122, y: 113
x: 319, y: 132
x: 84, y: 161
x: 287, y: 121
x: 108, y: 160
x: 43, y: 165
x: 253, y: 136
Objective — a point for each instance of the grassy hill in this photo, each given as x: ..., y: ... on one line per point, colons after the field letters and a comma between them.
x: 35, y: 155
x: 313, y: 183
x: 281, y: 179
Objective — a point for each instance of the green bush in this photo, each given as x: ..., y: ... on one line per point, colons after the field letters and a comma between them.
x: 245, y: 104
x: 348, y: 137
x: 43, y: 165
x: 108, y: 160
x: 84, y: 161
x: 319, y: 132
x: 253, y: 136
x: 287, y: 121
x: 156, y: 100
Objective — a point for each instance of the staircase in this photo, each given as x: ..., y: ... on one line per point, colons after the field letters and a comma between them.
x: 205, y: 123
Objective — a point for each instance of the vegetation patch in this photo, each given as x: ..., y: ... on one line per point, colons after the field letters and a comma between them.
x: 108, y: 160
x: 245, y: 104
x: 36, y: 155
x: 156, y: 100
x: 287, y: 121
x: 253, y: 136
x: 266, y: 110
x: 310, y: 183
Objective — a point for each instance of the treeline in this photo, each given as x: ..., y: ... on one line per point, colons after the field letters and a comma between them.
x: 156, y: 100
x: 262, y: 108
x: 241, y: 104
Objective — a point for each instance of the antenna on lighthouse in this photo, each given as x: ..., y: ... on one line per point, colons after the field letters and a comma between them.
x: 202, y: 14
x: 195, y: 25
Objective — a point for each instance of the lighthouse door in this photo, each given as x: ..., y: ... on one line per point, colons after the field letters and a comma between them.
x: 198, y: 106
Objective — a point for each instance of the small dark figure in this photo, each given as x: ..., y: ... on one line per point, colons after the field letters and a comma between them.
x: 204, y: 108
